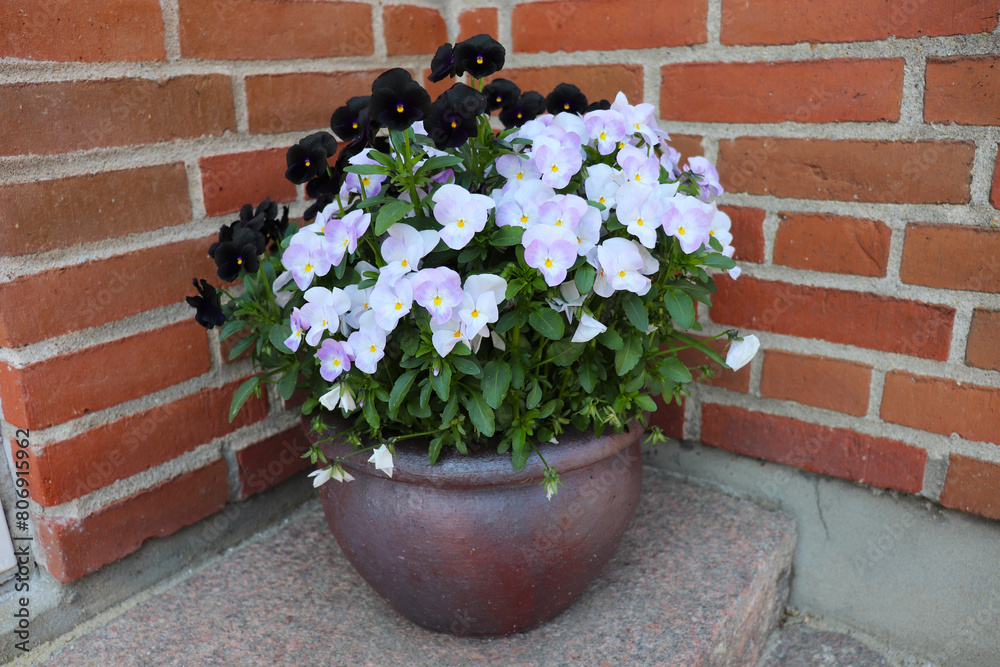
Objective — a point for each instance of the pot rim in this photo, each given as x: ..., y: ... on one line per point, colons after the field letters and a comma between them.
x: 453, y: 470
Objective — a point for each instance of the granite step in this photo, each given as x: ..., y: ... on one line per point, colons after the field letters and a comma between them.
x: 701, y: 578
x: 802, y: 646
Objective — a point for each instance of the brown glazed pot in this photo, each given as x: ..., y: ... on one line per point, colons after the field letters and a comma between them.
x: 470, y: 547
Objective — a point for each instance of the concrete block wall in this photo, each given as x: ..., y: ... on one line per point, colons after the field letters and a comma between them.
x: 857, y: 145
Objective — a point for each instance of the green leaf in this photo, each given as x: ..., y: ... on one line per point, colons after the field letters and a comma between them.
x: 506, y: 321
x: 425, y: 395
x: 268, y: 270
x: 400, y: 390
x: 232, y: 327
x: 242, y: 346
x: 519, y: 459
x: 286, y: 385
x: 371, y: 414
x: 645, y: 402
x: 610, y: 339
x: 450, y: 409
x: 717, y: 261
x: 242, y: 394
x: 390, y: 214
x: 434, y: 450
x: 470, y: 254
x: 382, y: 158
x: 496, y: 382
x: 278, y: 334
x: 565, y: 352
x: 467, y: 365
x: 481, y: 415
x: 441, y: 162
x: 367, y: 169
x: 587, y: 375
x: 628, y: 356
x: 507, y: 235
x: 697, y: 292
x: 534, y: 396
x: 442, y: 382
x: 547, y: 322
x: 681, y: 308
x: 517, y: 376
x: 635, y: 311
x: 699, y: 345
x: 584, y: 278
x: 673, y: 368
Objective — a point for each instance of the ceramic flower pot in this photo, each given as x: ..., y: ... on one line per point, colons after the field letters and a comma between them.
x: 471, y: 547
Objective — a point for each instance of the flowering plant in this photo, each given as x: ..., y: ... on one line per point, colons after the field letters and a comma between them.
x: 470, y: 286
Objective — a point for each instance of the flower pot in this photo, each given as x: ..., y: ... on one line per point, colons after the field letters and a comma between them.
x: 471, y: 547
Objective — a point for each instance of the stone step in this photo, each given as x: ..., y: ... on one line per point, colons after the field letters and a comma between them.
x: 802, y: 646
x: 701, y: 578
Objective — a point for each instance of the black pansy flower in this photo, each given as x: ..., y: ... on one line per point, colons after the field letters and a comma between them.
x: 307, y: 158
x: 500, y: 94
x: 225, y: 234
x: 397, y: 101
x: 208, y: 309
x: 322, y: 190
x: 238, y: 253
x: 452, y: 118
x: 351, y: 120
x: 480, y: 56
x: 566, y: 97
x: 527, y: 108
x: 443, y: 64
x: 599, y: 105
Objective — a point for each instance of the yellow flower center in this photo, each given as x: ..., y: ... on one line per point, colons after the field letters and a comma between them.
x: 366, y: 181
x: 637, y: 126
x: 499, y: 99
x: 520, y: 175
x: 475, y: 313
x: 519, y: 116
x: 680, y: 230
x: 239, y: 261
x: 307, y: 268
x: 524, y: 219
x: 603, y: 136
x: 555, y: 168
x: 638, y: 177
x: 621, y: 144
x: 454, y: 124
x: 324, y: 324
x: 458, y: 334
x: 479, y: 60
x: 399, y: 306
x: 308, y: 162
x: 354, y: 126
x: 711, y: 233
x: 566, y: 107
x: 558, y: 223
x: 372, y: 349
x: 336, y: 362
x: 399, y: 108
x: 404, y: 263
x: 346, y: 241
x: 639, y: 222
x: 621, y: 274
x: 437, y: 301
x: 601, y: 200
x: 548, y: 263
x: 460, y: 223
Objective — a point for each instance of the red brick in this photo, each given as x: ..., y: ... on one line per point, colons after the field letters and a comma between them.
x: 963, y: 90
x: 832, y: 243
x: 917, y: 172
x: 606, y: 25
x: 811, y: 91
x: 822, y: 382
x: 226, y: 346
x: 482, y: 20
x: 274, y: 29
x: 983, y: 347
x: 68, y: 30
x: 230, y: 181
x: 838, y: 452
x: 669, y: 417
x: 748, y: 232
x: 724, y: 377
x: 792, y: 21
x: 951, y: 257
x: 62, y: 471
x: 72, y: 548
x: 271, y: 461
x: 44, y: 215
x: 972, y: 486
x: 74, y: 383
x: 412, y: 30
x: 302, y: 100
x: 58, y: 301
x: 688, y: 145
x: 595, y: 81
x: 65, y: 116
x: 839, y: 316
x: 942, y: 406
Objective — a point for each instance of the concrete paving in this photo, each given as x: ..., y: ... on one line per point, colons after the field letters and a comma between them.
x: 700, y: 579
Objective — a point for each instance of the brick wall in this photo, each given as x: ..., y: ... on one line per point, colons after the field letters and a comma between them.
x: 857, y: 144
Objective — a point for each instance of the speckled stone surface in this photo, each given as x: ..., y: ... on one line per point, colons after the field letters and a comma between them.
x: 800, y: 646
x: 700, y: 579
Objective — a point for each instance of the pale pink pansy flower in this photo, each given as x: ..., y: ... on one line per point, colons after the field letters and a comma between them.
x: 339, y: 395
x: 482, y: 294
x: 516, y: 168
x: 557, y: 166
x: 404, y: 247
x: 391, y: 301
x: 741, y: 351
x: 551, y: 250
x: 334, y: 358
x: 305, y: 257
x: 601, y: 185
x: 639, y: 212
x: 706, y: 175
x: 446, y: 336
x: 382, y: 458
x: 589, y: 328
x: 343, y: 233
x: 439, y: 290
x: 368, y: 345
x: 322, y: 310
x: 461, y: 214
x: 623, y: 266
x: 299, y: 324
x: 519, y: 204
x: 606, y: 128
x: 688, y: 220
